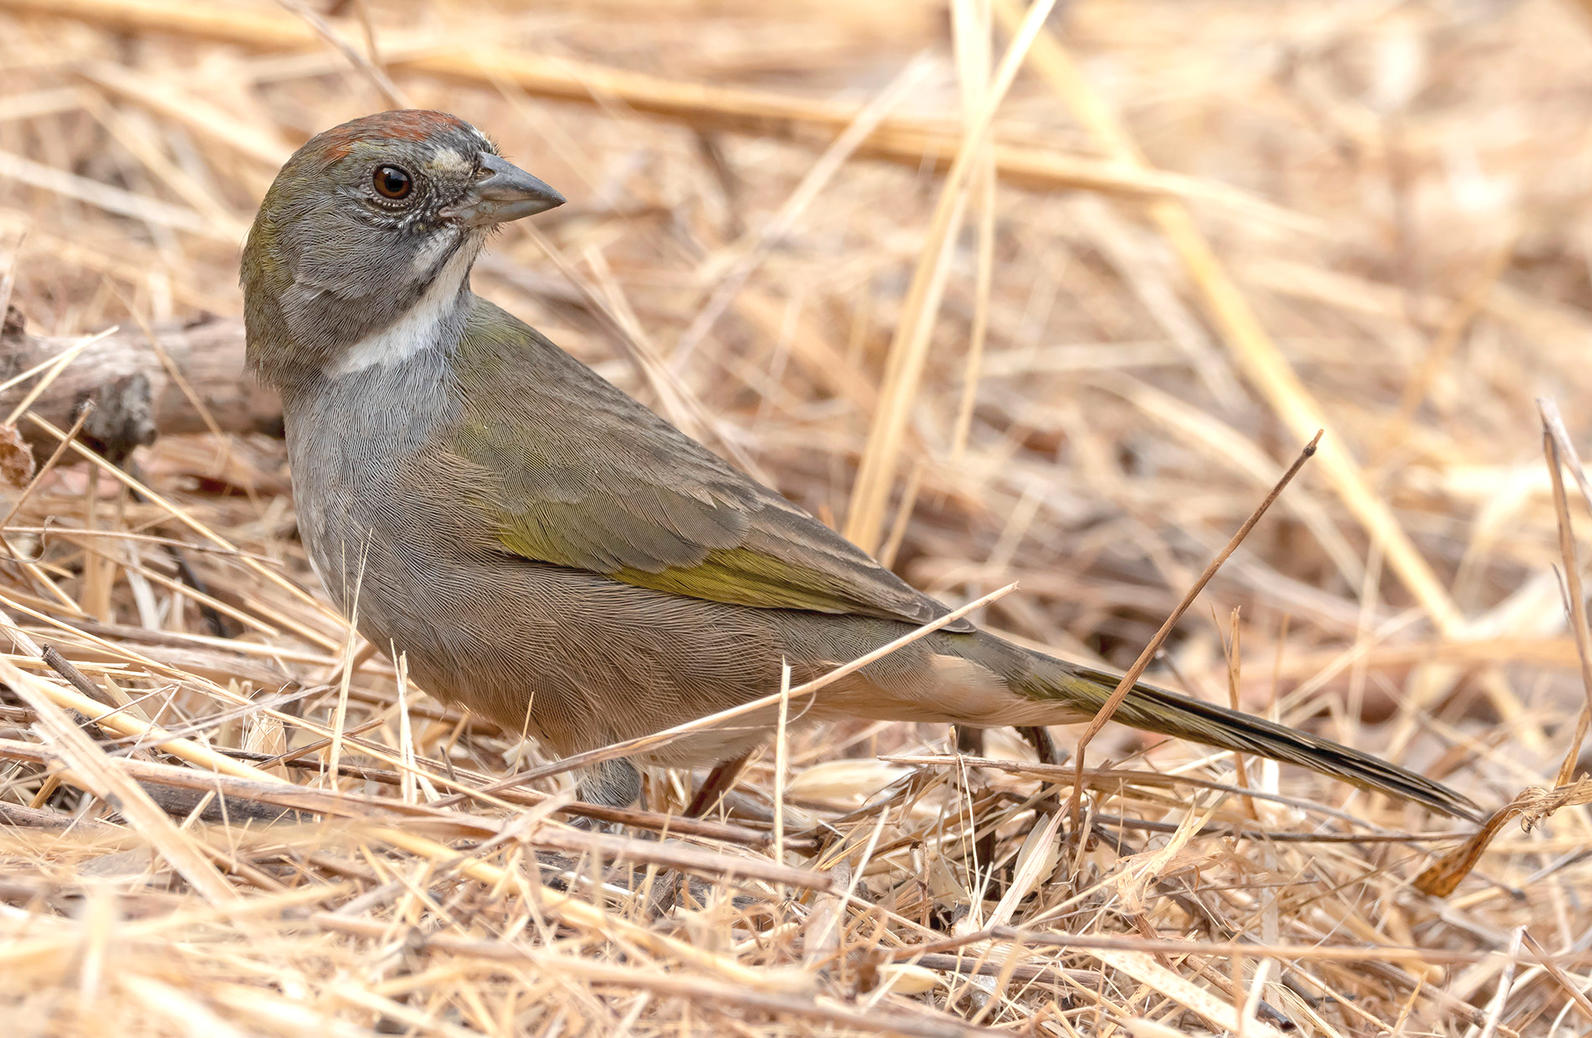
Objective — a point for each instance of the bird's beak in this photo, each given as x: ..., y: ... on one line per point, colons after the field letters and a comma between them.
x: 502, y: 193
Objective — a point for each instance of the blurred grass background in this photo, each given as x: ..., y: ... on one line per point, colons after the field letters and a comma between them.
x: 1049, y: 300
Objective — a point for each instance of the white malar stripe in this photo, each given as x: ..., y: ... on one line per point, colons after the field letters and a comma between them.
x: 418, y: 328
x: 427, y: 255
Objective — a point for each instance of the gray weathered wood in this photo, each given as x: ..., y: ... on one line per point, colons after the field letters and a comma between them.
x: 132, y: 386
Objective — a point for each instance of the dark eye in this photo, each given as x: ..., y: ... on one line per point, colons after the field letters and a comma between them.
x: 392, y: 182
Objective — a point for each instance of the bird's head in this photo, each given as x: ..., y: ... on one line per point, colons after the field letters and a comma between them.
x: 371, y: 228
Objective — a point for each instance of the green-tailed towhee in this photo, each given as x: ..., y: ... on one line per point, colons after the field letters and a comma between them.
x: 550, y: 553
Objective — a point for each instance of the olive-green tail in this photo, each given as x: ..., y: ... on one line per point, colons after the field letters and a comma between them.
x: 1168, y: 713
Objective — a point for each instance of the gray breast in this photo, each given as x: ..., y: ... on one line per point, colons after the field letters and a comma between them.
x: 350, y: 439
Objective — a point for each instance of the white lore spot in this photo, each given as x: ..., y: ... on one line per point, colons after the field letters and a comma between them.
x: 420, y: 327
x: 447, y: 160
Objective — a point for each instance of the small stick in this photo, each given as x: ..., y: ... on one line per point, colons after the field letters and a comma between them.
x: 1572, y: 579
x: 1131, y: 678
x: 79, y: 680
x: 62, y: 666
x: 718, y: 783
x: 1553, y: 423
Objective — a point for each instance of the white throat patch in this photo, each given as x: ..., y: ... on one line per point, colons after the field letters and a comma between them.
x: 420, y: 327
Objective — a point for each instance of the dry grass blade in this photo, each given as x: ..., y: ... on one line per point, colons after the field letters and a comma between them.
x: 100, y: 774
x: 1125, y: 686
x: 909, y: 346
x: 1442, y: 877
x: 1253, y: 349
x: 696, y: 104
x: 1147, y: 971
x: 1552, y: 438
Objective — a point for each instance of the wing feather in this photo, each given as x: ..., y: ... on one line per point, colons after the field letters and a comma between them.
x: 587, y: 478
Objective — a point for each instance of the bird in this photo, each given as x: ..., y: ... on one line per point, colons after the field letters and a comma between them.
x: 546, y: 551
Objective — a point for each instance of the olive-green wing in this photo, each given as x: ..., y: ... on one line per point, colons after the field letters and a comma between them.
x: 585, y: 477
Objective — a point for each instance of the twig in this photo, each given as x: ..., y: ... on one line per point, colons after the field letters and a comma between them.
x: 1574, y: 594
x: 69, y: 670
x: 1131, y: 678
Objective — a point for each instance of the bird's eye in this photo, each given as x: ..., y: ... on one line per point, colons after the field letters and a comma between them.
x: 392, y: 182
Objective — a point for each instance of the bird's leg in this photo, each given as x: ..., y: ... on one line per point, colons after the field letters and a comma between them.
x: 718, y: 783
x: 612, y: 783
x: 970, y: 743
x: 1045, y: 748
x: 617, y: 783
x: 1047, y: 752
x: 672, y: 883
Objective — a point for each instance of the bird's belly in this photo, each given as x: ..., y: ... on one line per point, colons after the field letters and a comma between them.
x: 582, y: 661
x: 571, y: 657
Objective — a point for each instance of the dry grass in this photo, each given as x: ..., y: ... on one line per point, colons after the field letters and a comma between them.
x: 1057, y: 315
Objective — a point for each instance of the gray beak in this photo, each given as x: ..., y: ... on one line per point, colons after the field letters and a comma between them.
x: 505, y: 192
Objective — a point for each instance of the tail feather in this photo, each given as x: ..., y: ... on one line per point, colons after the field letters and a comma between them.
x: 1168, y: 713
